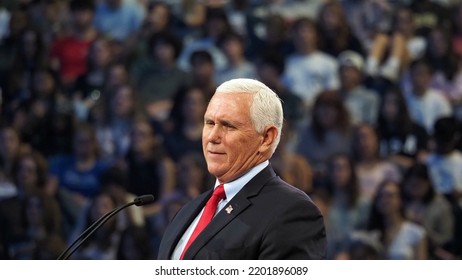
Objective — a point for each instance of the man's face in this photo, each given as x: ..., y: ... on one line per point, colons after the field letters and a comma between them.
x: 230, y: 142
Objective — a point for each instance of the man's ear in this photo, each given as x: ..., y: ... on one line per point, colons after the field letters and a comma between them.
x: 269, y: 136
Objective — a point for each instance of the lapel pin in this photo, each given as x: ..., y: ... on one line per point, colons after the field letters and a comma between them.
x: 229, y: 209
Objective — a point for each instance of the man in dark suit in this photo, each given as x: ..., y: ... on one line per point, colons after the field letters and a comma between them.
x: 258, y: 216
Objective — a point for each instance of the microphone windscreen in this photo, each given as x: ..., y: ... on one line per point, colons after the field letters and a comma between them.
x: 143, y: 199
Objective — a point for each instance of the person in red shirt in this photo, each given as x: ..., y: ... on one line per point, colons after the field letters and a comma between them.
x: 69, y: 54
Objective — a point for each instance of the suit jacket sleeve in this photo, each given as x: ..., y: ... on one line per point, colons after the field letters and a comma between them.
x: 297, y: 232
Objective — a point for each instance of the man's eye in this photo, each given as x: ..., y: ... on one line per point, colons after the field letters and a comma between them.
x: 229, y: 126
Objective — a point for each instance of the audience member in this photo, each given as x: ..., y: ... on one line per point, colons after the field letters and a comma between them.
x: 75, y: 178
x: 233, y: 46
x: 91, y: 85
x: 309, y: 71
x: 158, y: 78
x: 132, y: 244
x: 445, y: 162
x: 184, y: 131
x: 114, y: 181
x: 42, y: 239
x: 203, y: 71
x: 425, y: 104
x: 118, y: 19
x: 390, y: 55
x: 274, y: 36
x: 159, y: 19
x: 348, y: 211
x: 69, y: 54
x: 150, y: 170
x: 362, y: 103
x: 335, y: 29
x: 292, y: 167
x: 401, y: 239
x: 270, y: 67
x: 329, y: 131
x: 427, y: 208
x: 447, y: 74
x: 103, y: 243
x: 371, y: 168
x: 215, y: 25
x: 402, y: 141
x: 113, y: 121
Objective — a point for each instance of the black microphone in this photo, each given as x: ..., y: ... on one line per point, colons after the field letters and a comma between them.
x: 138, y: 201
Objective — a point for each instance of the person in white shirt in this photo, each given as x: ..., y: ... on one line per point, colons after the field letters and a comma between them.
x: 309, y: 71
x: 445, y: 164
x: 425, y: 104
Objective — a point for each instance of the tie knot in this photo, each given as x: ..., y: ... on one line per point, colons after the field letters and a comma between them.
x: 219, y: 192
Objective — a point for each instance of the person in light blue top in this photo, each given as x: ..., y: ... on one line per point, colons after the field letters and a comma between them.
x: 118, y: 19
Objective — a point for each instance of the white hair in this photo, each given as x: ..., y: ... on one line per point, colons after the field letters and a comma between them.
x: 266, y: 107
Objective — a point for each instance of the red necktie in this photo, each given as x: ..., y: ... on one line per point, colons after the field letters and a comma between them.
x: 207, y: 215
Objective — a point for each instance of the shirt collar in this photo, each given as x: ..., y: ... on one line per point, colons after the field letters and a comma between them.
x: 233, y: 187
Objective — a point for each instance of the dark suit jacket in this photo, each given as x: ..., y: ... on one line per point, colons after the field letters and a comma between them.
x: 270, y: 220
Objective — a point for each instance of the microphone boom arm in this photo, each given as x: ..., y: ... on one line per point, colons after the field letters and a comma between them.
x: 138, y: 201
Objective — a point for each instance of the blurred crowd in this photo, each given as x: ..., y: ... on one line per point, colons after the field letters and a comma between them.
x: 103, y: 100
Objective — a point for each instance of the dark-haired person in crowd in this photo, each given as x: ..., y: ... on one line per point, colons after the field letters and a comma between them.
x: 424, y: 103
x: 69, y: 54
x: 215, y: 25
x: 91, y: 85
x: 401, y: 239
x: 158, y: 19
x: 150, y: 171
x: 114, y: 181
x: 47, y: 102
x: 103, y: 243
x: 42, y: 238
x: 291, y: 166
x: 309, y: 71
x: 402, y: 141
x: 456, y: 28
x: 75, y: 178
x: 184, y: 128
x: 30, y: 221
x: 158, y: 78
x: 30, y: 55
x: 335, y: 29
x: 112, y: 118
x: 270, y: 68
x: 233, y: 46
x: 10, y: 150
x: 275, y: 38
x: 447, y: 74
x: 203, y: 71
x: 429, y: 209
x: 132, y: 244
x: 118, y: 19
x: 392, y: 50
x: 10, y: 47
x: 371, y: 168
x: 445, y: 162
x: 329, y: 131
x: 348, y: 212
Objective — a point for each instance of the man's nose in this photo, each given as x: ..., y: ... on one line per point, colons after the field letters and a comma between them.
x: 214, y: 134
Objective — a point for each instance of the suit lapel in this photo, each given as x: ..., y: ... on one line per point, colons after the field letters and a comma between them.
x: 239, y: 203
x: 189, y: 213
